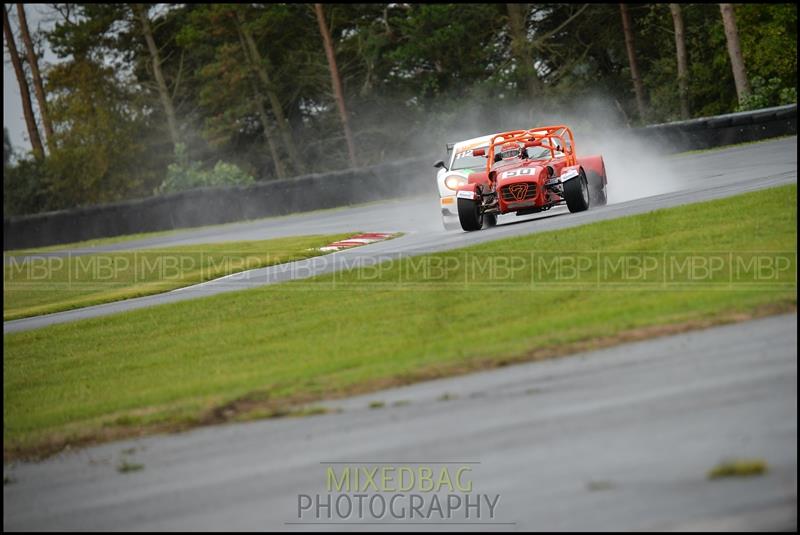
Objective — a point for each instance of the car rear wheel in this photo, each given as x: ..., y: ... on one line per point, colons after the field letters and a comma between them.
x: 469, y: 214
x: 576, y: 193
x: 597, y: 190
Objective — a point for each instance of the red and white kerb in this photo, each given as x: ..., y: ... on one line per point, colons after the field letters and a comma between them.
x: 355, y: 241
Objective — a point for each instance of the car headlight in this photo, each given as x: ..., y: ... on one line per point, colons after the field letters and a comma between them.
x: 453, y: 181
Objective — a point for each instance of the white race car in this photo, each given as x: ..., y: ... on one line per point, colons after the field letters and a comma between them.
x: 449, y: 177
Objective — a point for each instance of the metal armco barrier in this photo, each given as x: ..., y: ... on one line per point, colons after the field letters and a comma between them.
x: 209, y: 206
x: 729, y: 129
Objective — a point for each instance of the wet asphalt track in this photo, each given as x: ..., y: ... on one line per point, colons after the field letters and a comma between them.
x: 697, y: 177
x: 616, y: 439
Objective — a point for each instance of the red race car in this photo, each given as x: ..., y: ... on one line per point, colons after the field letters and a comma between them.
x: 529, y: 171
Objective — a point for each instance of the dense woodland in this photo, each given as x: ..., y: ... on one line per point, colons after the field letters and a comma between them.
x: 152, y: 98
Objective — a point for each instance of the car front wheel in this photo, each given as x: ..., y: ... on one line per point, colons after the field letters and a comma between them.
x: 576, y: 193
x: 469, y: 214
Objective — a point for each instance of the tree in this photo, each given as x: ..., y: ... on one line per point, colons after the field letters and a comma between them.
x: 8, y: 149
x: 101, y: 151
x: 637, y: 81
x: 258, y: 101
x: 229, y: 98
x: 520, y: 48
x: 33, y: 63
x: 735, y: 52
x: 259, y: 64
x: 443, y: 51
x: 768, y: 35
x: 27, y: 108
x: 336, y: 82
x: 122, y: 35
x: 166, y: 100
x: 680, y: 53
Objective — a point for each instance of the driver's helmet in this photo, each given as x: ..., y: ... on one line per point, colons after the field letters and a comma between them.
x: 510, y: 150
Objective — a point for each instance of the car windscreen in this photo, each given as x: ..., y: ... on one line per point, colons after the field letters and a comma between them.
x: 542, y: 153
x: 465, y: 160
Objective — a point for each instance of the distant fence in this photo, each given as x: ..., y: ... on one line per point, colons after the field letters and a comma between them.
x: 209, y: 206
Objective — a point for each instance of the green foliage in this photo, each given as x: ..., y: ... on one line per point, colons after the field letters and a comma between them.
x: 183, y: 174
x: 445, y: 48
x: 768, y: 35
x: 769, y: 46
x: 25, y: 188
x: 766, y: 93
x: 96, y: 155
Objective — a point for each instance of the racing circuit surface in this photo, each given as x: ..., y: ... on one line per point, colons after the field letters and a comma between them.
x: 692, y: 177
x: 619, y: 439
x: 615, y: 439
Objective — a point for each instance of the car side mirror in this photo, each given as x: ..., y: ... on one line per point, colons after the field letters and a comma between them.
x: 440, y: 164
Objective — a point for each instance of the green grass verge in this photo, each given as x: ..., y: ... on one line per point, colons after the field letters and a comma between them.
x: 260, y: 351
x: 42, y: 285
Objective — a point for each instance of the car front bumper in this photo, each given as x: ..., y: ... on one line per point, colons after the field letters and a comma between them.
x: 448, y: 206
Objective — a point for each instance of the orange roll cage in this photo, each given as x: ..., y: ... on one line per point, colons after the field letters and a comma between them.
x: 535, y: 137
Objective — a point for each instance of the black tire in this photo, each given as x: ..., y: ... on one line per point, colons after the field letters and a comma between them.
x: 576, y: 193
x: 597, y: 190
x: 469, y: 214
x: 489, y: 220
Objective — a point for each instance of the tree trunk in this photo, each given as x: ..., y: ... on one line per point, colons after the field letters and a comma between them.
x: 273, y: 150
x: 336, y: 82
x: 27, y: 108
x: 683, y: 63
x: 735, y: 52
x: 277, y: 110
x: 166, y: 99
x: 638, y: 88
x: 520, y: 48
x: 262, y: 112
x: 38, y: 87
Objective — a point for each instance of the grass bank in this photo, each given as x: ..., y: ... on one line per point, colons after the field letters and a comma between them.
x: 42, y: 285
